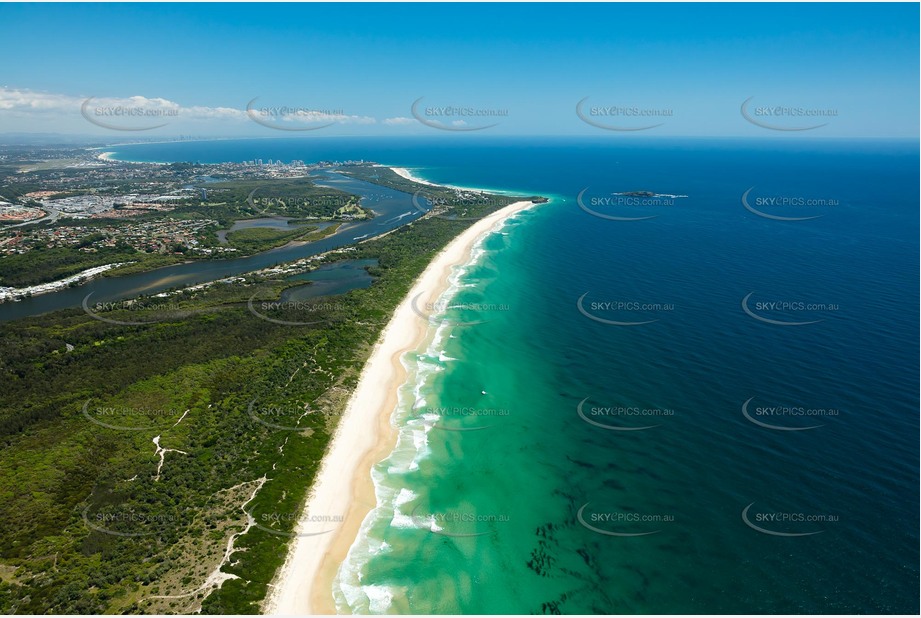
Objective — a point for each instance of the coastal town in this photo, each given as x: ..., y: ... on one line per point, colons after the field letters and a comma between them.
x: 65, y: 205
x: 168, y: 235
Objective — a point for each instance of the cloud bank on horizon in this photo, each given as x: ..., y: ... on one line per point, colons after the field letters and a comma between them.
x: 22, y: 108
x: 226, y: 70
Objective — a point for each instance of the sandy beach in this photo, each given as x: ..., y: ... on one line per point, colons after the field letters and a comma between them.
x: 408, y: 175
x: 405, y: 173
x: 343, y: 492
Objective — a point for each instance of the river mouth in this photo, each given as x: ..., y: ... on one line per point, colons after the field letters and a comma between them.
x: 392, y: 209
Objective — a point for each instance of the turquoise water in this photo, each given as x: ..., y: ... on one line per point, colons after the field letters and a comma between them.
x: 671, y: 444
x: 505, y: 498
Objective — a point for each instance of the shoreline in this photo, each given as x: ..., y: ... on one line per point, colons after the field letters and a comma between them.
x: 407, y: 173
x: 343, y: 490
x: 8, y: 294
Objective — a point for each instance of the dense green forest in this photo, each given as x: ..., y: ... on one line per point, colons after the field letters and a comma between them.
x: 97, y: 518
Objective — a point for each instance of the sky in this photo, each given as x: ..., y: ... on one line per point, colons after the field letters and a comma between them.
x: 144, y: 71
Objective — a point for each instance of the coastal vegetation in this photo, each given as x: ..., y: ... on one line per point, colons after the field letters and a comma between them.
x: 150, y: 457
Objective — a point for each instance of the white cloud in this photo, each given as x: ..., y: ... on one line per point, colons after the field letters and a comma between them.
x: 25, y: 109
x: 354, y: 119
x: 400, y: 120
x: 24, y: 102
x: 14, y: 99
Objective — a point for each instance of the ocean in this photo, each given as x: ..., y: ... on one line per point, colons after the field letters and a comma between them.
x: 688, y: 384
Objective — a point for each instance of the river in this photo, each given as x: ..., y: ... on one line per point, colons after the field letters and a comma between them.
x: 392, y: 209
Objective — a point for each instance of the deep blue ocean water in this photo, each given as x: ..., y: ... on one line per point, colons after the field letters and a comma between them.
x: 664, y: 491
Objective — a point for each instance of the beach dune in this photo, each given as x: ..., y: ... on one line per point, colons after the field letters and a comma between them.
x: 343, y: 492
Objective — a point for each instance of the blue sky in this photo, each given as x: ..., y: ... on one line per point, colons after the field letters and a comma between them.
x: 357, y: 69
